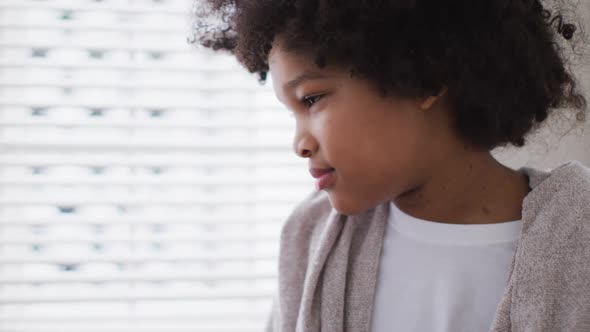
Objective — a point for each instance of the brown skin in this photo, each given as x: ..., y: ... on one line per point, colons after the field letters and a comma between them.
x: 391, y: 149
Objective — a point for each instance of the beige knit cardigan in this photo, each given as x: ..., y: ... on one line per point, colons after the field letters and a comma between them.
x: 328, y: 262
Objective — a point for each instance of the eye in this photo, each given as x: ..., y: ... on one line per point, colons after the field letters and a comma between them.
x: 309, y: 101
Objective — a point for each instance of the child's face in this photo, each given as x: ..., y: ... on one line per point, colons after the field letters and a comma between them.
x: 379, y: 148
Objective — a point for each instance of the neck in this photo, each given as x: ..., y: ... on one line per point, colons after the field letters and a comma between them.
x: 474, y: 189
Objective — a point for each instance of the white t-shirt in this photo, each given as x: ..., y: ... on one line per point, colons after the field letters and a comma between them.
x: 438, y: 277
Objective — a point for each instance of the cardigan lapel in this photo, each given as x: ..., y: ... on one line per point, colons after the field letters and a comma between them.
x: 340, y: 284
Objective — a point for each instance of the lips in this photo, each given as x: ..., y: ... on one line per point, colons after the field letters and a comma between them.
x: 323, y: 176
x: 317, y: 172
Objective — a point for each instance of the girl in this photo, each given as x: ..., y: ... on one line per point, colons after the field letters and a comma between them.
x: 415, y: 226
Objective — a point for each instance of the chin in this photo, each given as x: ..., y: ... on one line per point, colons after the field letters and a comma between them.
x: 348, y: 206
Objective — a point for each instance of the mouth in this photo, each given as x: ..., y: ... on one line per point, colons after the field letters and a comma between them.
x: 323, y: 176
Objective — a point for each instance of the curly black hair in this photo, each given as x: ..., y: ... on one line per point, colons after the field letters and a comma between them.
x: 500, y: 60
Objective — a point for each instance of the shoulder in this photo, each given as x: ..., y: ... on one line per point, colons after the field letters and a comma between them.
x: 551, y: 262
x: 567, y: 186
x: 573, y: 174
x: 557, y: 210
x: 571, y: 183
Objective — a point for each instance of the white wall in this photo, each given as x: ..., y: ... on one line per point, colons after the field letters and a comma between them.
x: 553, y: 145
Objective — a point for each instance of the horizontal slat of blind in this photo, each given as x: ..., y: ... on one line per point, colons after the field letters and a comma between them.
x: 149, y: 318
x: 113, y: 7
x: 189, y: 67
x: 134, y: 277
x: 239, y: 86
x: 144, y: 144
x: 144, y: 159
x: 129, y: 103
x: 79, y: 26
x: 143, y: 182
x: 126, y: 221
x: 162, y: 328
x: 100, y: 46
x: 135, y: 239
x: 213, y: 125
x: 203, y: 200
x: 170, y: 181
x: 127, y: 259
x: 101, y: 296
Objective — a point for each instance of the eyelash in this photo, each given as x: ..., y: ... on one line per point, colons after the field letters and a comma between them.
x: 306, y: 99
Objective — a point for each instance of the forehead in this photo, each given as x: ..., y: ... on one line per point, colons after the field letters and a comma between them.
x: 285, y: 64
x: 288, y: 69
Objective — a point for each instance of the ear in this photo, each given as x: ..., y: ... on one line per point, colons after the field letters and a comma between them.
x: 429, y: 101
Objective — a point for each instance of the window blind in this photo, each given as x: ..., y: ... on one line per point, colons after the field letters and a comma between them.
x: 143, y: 182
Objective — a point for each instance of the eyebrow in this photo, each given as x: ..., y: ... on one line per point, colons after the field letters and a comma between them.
x: 306, y: 76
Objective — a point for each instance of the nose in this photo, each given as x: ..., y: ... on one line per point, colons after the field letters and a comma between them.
x: 304, y: 145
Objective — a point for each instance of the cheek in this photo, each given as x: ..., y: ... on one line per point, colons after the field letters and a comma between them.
x: 367, y: 137
x: 340, y: 140
x: 371, y: 156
